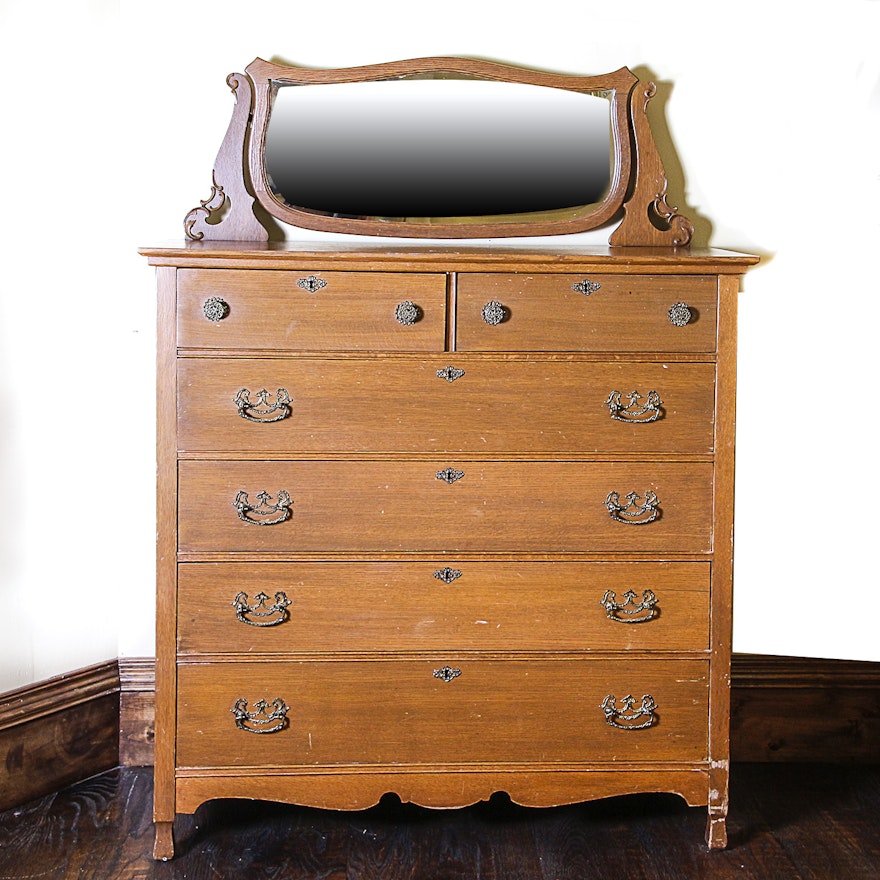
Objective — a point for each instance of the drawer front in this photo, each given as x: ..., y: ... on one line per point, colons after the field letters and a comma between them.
x: 399, y: 404
x: 545, y: 313
x: 442, y: 605
x: 269, y: 309
x: 444, y: 505
x: 398, y: 711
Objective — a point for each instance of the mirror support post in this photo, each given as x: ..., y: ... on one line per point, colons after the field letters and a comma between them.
x: 230, y: 195
x: 648, y: 221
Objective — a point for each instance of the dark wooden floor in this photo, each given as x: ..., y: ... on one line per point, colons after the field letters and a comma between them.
x: 788, y: 822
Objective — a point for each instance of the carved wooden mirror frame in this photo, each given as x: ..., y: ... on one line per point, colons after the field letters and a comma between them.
x: 638, y: 186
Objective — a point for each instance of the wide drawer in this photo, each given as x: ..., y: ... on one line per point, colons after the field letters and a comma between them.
x: 270, y: 309
x: 442, y: 605
x: 545, y: 313
x: 445, y: 505
x: 479, y: 405
x: 444, y: 710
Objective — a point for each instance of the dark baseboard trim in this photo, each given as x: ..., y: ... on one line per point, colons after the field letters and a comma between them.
x: 137, y: 710
x: 70, y: 727
x: 804, y: 709
x: 57, y: 732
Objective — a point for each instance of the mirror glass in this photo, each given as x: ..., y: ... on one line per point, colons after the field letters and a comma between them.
x: 435, y: 150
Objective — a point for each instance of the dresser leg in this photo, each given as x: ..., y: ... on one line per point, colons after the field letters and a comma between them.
x: 163, y: 848
x: 716, y: 830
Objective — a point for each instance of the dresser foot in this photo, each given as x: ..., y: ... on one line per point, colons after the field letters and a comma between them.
x: 716, y: 831
x: 163, y: 847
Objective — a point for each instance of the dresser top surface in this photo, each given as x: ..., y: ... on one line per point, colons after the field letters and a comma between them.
x: 446, y: 258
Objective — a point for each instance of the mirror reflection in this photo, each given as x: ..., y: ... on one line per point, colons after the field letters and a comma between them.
x: 424, y: 149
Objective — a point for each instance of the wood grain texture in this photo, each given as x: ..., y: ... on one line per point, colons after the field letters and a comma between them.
x: 58, y: 731
x: 493, y: 712
x: 648, y: 219
x: 355, y: 311
x: 721, y: 632
x: 56, y: 750
x: 458, y: 787
x: 33, y: 701
x: 382, y: 608
x: 789, y: 709
x: 166, y: 544
x: 551, y: 256
x: 544, y: 313
x: 380, y: 506
x: 229, y: 212
x: 137, y: 711
x: 402, y: 405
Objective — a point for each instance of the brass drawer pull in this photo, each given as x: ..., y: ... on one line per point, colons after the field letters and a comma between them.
x: 449, y: 475
x: 262, y: 410
x: 274, y: 713
x: 586, y: 287
x: 630, y: 611
x: 650, y: 411
x: 450, y: 373
x: 627, y: 716
x: 312, y: 284
x: 631, y: 513
x: 407, y: 313
x: 260, y: 610
x: 266, y: 514
x: 494, y: 313
x: 215, y: 309
x: 680, y: 314
x: 447, y: 673
x: 447, y: 575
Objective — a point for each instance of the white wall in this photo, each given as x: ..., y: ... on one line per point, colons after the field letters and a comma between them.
x: 113, y: 115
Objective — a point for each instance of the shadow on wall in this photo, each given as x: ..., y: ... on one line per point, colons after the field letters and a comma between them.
x: 677, y: 184
x: 16, y: 647
x: 677, y: 187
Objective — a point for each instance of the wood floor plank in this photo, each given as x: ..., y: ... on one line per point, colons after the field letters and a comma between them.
x: 825, y: 829
x: 788, y: 822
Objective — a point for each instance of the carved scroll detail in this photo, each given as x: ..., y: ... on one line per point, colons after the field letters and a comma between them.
x: 208, y: 206
x: 681, y: 228
x: 648, y: 220
x: 230, y: 196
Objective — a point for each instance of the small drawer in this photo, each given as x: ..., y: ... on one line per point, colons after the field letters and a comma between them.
x: 443, y: 710
x: 442, y: 605
x: 620, y: 313
x: 458, y: 404
x: 445, y: 505
x: 310, y: 310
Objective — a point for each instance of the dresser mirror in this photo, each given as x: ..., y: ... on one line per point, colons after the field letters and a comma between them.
x: 441, y: 151
x: 445, y: 148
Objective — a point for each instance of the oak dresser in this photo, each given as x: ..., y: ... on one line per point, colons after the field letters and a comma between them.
x: 439, y: 520
x: 444, y: 523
